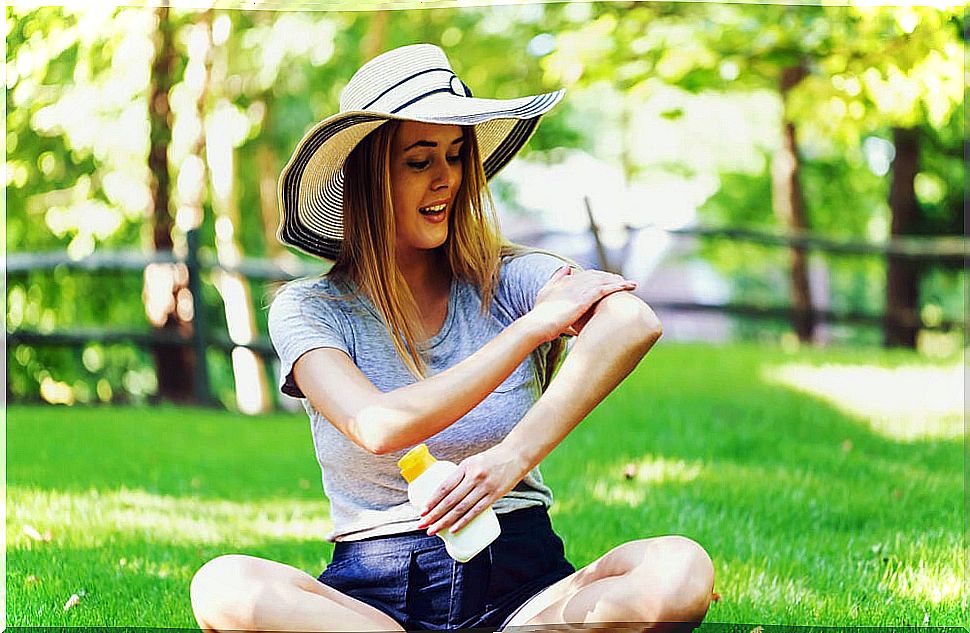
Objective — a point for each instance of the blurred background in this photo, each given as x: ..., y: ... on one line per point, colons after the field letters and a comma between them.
x: 790, y: 175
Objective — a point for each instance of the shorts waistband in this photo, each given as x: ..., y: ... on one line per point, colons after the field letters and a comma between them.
x: 391, y: 543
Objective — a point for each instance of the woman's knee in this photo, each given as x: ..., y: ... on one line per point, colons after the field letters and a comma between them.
x: 691, y: 579
x: 224, y: 592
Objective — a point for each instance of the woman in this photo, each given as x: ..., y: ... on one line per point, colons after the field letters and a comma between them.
x: 430, y: 328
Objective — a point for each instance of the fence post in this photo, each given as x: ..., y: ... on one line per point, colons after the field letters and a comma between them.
x: 595, y: 230
x: 200, y: 327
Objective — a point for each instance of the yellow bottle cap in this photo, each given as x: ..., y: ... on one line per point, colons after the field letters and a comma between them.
x: 415, y: 462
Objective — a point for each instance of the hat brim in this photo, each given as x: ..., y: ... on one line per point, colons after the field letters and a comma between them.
x: 311, y: 184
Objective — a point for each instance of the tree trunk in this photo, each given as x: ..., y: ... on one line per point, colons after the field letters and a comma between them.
x: 166, y: 294
x: 902, y: 276
x: 374, y: 41
x: 789, y: 206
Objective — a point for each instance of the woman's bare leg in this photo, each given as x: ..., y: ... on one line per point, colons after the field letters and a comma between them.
x: 657, y: 582
x: 245, y: 593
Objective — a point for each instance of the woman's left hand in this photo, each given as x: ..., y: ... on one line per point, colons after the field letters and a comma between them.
x: 479, y: 481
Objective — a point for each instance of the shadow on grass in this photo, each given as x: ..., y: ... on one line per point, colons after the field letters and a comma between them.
x: 175, y: 451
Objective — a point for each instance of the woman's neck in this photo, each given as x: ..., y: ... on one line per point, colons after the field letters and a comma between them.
x: 426, y: 272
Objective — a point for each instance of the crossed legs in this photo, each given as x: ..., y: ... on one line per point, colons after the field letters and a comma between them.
x: 245, y: 593
x: 663, y: 582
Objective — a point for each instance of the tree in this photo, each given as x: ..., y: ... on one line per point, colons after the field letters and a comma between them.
x: 167, y: 297
x: 899, y: 75
x: 841, y: 73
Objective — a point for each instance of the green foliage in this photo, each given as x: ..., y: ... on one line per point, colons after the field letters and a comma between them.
x: 60, y: 300
x: 940, y: 183
x: 77, y: 134
x: 741, y: 200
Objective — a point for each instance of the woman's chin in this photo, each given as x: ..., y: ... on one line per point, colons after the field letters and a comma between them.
x: 426, y: 244
x: 435, y: 241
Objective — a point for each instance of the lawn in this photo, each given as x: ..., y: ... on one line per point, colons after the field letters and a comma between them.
x: 827, y: 486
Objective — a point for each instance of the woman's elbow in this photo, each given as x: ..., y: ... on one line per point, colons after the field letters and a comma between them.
x: 628, y: 314
x: 368, y: 437
x: 371, y: 430
x: 646, y: 327
x: 380, y: 449
x: 651, y: 326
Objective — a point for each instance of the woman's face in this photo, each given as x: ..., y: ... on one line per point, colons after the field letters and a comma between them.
x: 426, y: 171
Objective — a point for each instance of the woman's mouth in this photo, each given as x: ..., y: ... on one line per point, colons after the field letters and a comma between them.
x: 434, y: 212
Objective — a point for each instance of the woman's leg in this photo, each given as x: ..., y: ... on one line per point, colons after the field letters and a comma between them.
x: 660, y: 581
x: 244, y: 593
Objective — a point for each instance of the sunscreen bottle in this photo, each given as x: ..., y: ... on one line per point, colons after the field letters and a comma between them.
x: 424, y: 474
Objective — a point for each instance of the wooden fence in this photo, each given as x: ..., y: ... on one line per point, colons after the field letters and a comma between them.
x: 202, y: 338
x: 948, y: 250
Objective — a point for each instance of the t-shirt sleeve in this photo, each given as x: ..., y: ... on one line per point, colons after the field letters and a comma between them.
x: 301, y: 320
x: 523, y: 277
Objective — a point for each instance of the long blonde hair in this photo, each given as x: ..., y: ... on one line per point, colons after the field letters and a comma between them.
x: 474, y: 247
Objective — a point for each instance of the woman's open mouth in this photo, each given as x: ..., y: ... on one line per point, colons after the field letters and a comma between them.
x: 434, y: 212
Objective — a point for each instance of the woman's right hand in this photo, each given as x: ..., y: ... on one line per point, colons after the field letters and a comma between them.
x: 568, y: 295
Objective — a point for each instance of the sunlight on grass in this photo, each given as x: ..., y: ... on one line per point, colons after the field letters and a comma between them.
x: 638, y: 476
x: 904, y: 403
x: 90, y: 518
x: 759, y: 585
x: 934, y: 582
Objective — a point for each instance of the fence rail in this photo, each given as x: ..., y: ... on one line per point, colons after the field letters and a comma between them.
x: 946, y: 250
x: 80, y: 336
x: 125, y: 260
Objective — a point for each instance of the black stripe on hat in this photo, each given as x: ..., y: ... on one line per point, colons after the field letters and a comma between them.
x: 405, y: 80
x: 420, y: 97
x: 526, y: 110
x: 510, y: 146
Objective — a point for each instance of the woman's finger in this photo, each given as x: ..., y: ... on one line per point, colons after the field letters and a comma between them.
x: 614, y: 286
x: 470, y: 515
x: 559, y: 274
x: 592, y: 295
x: 444, y: 488
x: 463, y: 511
x: 456, y: 511
x: 446, y: 504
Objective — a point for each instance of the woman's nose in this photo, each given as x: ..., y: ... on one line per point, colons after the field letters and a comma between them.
x: 443, y: 176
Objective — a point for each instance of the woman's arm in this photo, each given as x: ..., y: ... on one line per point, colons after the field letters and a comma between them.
x: 618, y: 335
x: 620, y: 332
x: 386, y: 422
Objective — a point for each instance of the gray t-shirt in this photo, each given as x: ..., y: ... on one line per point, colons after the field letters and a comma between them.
x: 368, y: 496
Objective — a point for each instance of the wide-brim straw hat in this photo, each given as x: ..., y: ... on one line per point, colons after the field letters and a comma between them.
x: 411, y: 83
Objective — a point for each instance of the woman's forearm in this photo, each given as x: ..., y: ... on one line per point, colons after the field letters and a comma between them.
x: 408, y: 415
x: 620, y: 332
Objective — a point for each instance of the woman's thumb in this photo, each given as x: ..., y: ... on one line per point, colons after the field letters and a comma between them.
x: 563, y: 272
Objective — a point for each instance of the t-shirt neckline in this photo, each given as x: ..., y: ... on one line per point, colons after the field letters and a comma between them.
x: 445, y: 327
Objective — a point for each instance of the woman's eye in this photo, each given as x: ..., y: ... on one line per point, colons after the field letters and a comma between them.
x: 422, y: 164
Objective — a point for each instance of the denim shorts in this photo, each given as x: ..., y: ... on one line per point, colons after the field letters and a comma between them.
x: 411, y: 578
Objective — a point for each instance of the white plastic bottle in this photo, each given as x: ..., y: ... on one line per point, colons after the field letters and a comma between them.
x: 424, y: 474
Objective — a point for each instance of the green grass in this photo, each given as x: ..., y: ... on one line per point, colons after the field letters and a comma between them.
x: 819, y: 509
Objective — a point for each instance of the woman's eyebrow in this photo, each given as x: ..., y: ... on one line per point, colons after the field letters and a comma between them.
x: 432, y: 143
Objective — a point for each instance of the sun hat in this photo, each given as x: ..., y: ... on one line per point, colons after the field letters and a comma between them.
x: 410, y: 83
